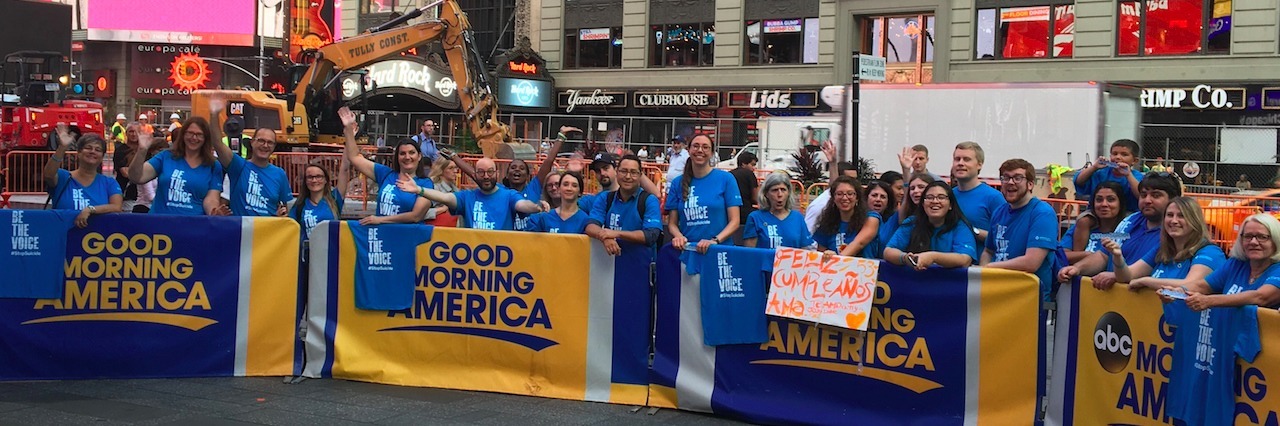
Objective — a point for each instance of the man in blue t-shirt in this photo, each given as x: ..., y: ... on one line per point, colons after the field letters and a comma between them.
x: 258, y: 188
x: 1143, y: 228
x: 977, y: 199
x: 1025, y: 229
x: 488, y: 206
x: 621, y: 226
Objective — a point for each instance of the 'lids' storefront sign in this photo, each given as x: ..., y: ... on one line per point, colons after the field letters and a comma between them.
x: 772, y: 99
x: 1200, y: 97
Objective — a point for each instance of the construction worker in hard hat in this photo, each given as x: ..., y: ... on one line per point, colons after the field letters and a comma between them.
x: 117, y: 129
x: 145, y: 121
x: 175, y: 122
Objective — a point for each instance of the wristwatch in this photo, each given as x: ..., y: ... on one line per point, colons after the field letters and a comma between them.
x: 715, y: 239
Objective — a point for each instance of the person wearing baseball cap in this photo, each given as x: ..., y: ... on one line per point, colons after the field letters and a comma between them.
x: 677, y: 158
x: 604, y: 165
x: 117, y: 129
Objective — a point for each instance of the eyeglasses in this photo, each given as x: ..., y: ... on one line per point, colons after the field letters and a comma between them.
x: 938, y: 198
x: 627, y: 172
x: 843, y: 194
x: 195, y: 134
x: 1262, y: 238
x: 490, y: 172
x: 315, y: 177
x: 1013, y: 179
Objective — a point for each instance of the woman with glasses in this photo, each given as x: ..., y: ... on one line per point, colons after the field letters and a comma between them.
x: 1249, y: 277
x: 444, y: 174
x: 393, y: 206
x: 84, y: 189
x: 845, y: 226
x: 938, y: 235
x: 703, y: 202
x: 190, y: 178
x: 551, y: 190
x: 776, y: 224
x: 1185, y: 252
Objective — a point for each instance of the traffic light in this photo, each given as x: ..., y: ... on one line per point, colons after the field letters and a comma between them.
x: 82, y: 89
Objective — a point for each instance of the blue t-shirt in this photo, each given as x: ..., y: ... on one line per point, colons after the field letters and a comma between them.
x: 771, y: 232
x: 1210, y: 255
x: 257, y: 191
x: 551, y: 222
x: 494, y: 211
x: 978, y: 204
x: 77, y: 196
x: 533, y: 192
x: 842, y: 238
x: 1205, y: 346
x: 705, y: 213
x: 1106, y: 175
x: 1013, y: 231
x: 588, y: 201
x: 625, y: 215
x: 182, y: 188
x: 1095, y: 239
x: 391, y: 200
x: 1233, y: 277
x: 957, y: 240
x: 1142, y: 240
x: 314, y: 213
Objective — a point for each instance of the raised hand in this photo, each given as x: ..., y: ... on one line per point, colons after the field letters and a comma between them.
x: 407, y: 185
x: 905, y: 157
x: 348, y: 117
x: 144, y: 141
x: 65, y: 137
x: 1112, y: 246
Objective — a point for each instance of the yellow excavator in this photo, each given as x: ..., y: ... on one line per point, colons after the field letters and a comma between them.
x: 307, y: 115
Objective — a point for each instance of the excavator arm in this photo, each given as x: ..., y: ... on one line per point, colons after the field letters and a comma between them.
x: 475, y: 96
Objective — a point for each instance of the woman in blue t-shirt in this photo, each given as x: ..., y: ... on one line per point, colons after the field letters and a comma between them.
x: 906, y: 211
x: 702, y: 201
x: 880, y: 198
x: 190, y: 179
x: 845, y: 226
x: 84, y: 189
x: 1185, y: 252
x: 938, y: 235
x: 393, y: 206
x: 568, y: 218
x: 318, y: 200
x: 776, y: 224
x: 1250, y: 277
x: 1108, y: 212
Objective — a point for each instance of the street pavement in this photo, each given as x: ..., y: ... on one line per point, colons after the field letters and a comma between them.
x: 316, y: 402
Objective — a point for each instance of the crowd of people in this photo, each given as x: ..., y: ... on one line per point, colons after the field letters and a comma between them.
x: 1137, y: 228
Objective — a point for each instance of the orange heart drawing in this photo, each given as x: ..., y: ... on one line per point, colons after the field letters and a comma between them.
x: 855, y: 320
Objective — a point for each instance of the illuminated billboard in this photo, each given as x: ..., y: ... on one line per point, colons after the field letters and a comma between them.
x: 207, y: 22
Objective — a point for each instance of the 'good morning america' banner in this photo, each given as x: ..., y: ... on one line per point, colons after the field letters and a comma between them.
x: 1115, y: 352
x: 161, y: 296
x: 520, y: 313
x: 944, y: 346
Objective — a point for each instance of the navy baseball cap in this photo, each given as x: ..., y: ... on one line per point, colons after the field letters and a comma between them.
x: 603, y: 159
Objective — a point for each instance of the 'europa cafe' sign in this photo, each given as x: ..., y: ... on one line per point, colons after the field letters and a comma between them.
x: 403, y: 74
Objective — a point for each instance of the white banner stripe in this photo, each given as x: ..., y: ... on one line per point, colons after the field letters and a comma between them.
x: 600, y: 325
x: 317, y: 297
x: 242, y: 310
x: 973, y: 345
x: 1057, y: 375
x: 695, y: 379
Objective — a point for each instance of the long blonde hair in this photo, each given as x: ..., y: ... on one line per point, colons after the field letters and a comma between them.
x: 1168, y: 251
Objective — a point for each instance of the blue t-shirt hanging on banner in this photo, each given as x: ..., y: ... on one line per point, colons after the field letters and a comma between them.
x: 257, y: 191
x: 37, y: 247
x: 1204, y: 358
x: 391, y: 200
x: 771, y: 232
x: 386, y: 264
x: 705, y: 213
x: 733, y: 286
x: 494, y: 211
x: 181, y: 188
x: 77, y: 196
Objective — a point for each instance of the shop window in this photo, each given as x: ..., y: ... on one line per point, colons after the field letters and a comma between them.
x: 593, y: 48
x: 1045, y: 30
x: 378, y: 6
x: 1174, y: 27
x: 782, y: 41
x: 682, y: 45
x: 906, y: 43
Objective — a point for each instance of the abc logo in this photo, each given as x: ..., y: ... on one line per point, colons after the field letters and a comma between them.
x: 1112, y: 342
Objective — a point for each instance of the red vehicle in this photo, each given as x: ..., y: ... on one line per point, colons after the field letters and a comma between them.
x: 32, y: 103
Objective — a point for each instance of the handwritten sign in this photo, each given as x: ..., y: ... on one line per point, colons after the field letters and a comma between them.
x: 837, y: 292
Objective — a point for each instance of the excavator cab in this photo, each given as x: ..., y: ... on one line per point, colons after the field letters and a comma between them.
x: 32, y: 77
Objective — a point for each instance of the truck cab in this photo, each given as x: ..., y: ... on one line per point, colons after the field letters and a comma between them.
x: 781, y: 137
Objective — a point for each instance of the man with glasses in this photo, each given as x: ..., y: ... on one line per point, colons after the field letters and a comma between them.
x: 426, y: 140
x: 626, y: 218
x: 489, y: 206
x: 1024, y: 230
x: 258, y: 188
x: 1143, y: 227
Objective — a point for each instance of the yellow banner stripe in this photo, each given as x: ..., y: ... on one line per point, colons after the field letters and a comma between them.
x: 912, y: 383
x: 273, y: 296
x: 1010, y: 308
x: 189, y: 322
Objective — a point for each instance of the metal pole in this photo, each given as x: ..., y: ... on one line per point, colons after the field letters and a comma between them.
x: 851, y: 119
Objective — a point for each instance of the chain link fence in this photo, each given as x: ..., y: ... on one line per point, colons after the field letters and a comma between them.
x: 1214, y: 159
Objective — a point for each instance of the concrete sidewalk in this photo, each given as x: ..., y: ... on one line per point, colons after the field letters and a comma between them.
x: 266, y: 400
